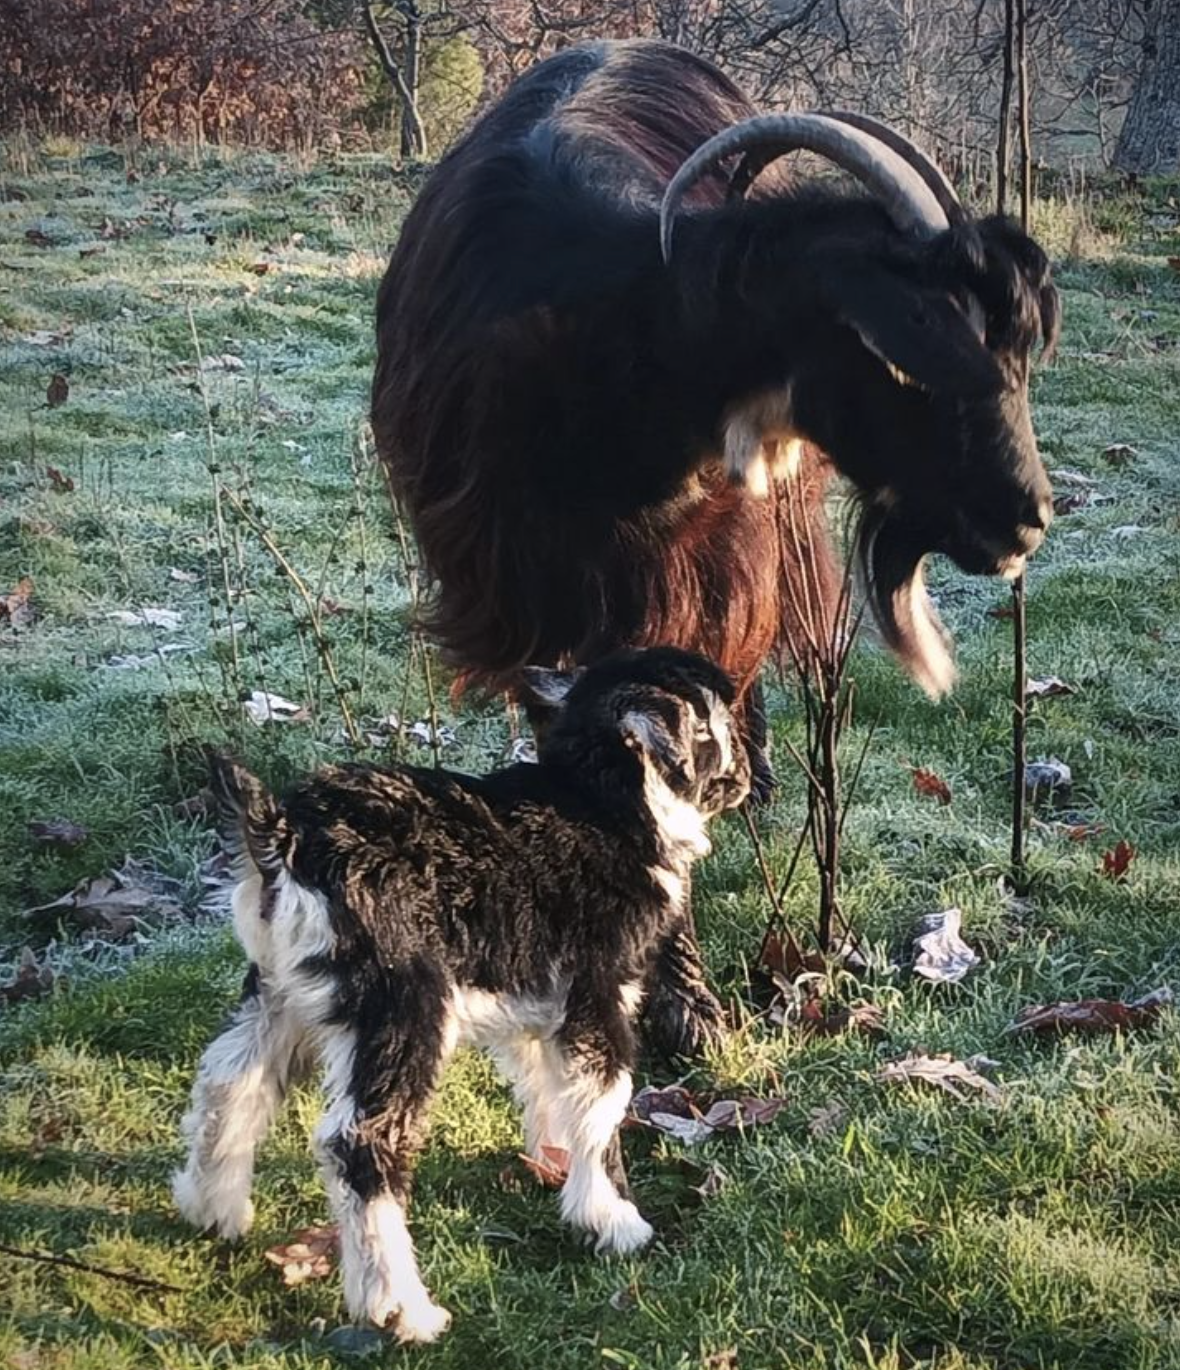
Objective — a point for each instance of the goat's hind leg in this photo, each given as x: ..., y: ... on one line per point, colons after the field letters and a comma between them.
x: 681, y: 1015
x: 241, y: 1083
x: 379, y: 1082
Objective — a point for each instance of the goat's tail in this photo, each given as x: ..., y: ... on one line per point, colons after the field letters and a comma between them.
x: 253, y: 828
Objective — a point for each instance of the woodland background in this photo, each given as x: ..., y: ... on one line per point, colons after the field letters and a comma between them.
x: 358, y: 75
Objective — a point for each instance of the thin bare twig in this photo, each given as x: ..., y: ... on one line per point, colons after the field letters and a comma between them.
x: 72, y: 1263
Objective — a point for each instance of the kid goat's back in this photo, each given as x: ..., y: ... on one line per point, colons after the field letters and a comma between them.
x: 390, y: 915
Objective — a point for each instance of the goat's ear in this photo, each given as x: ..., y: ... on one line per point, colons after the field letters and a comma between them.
x: 542, y: 688
x: 649, y: 735
x: 922, y: 335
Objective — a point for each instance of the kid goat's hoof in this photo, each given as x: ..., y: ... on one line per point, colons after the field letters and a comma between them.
x: 424, y: 1323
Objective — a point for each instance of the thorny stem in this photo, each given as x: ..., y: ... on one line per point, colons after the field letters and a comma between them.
x: 322, y: 645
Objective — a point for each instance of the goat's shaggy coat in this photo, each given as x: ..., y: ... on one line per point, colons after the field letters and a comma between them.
x: 580, y: 431
x: 390, y: 915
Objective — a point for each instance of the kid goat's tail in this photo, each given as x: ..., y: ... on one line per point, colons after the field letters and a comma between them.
x: 253, y: 828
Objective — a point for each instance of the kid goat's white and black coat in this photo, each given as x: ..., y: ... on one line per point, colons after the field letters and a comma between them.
x: 391, y: 915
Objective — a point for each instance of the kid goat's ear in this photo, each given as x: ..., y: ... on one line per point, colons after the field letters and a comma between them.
x: 545, y: 689
x: 252, y: 827
x: 648, y: 734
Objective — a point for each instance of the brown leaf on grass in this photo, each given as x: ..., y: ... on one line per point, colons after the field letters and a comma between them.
x: 1093, y: 1015
x: 93, y: 250
x: 928, y: 783
x: 819, y: 1021
x: 1174, y: 263
x: 551, y: 1168
x: 1048, y: 688
x: 17, y: 607
x: 1082, y: 832
x: 115, y: 905
x: 734, y: 1115
x: 943, y: 1071
x: 38, y: 237
x: 1120, y: 454
x: 1004, y: 611
x: 57, y: 391
x: 32, y: 980
x: 1116, y: 863
x: 311, y: 1254
x: 332, y: 608
x: 674, y: 1099
x: 60, y: 483
x: 260, y: 268
x: 58, y: 832
x: 784, y: 956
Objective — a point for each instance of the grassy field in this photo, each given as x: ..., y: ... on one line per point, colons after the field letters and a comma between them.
x: 212, y: 324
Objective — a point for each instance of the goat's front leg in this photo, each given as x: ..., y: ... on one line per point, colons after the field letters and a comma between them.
x: 591, y: 1088
x: 379, y: 1081
x: 242, y: 1080
x: 682, y: 1014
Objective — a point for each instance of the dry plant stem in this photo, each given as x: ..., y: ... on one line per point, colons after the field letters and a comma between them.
x: 777, y: 917
x: 71, y: 1263
x: 1005, y: 108
x: 299, y: 585
x: 1019, y: 619
x: 413, y: 584
x: 235, y: 671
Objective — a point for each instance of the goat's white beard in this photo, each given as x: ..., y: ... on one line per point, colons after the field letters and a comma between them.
x: 923, y: 642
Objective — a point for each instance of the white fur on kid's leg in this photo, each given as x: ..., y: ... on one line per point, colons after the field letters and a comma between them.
x: 240, y: 1084
x: 589, y: 1199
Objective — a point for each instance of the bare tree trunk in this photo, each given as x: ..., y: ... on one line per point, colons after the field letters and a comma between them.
x: 405, y: 83
x: 1150, y: 137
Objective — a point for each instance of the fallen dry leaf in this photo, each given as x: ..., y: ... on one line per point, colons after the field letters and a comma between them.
x: 1116, y: 863
x: 114, y: 905
x: 928, y: 783
x: 1082, y: 832
x: 38, y: 237
x: 60, y: 483
x: 1120, y: 454
x: 426, y: 735
x: 551, y: 1168
x: 263, y: 707
x: 733, y: 1115
x: 311, y: 1254
x: 944, y: 1072
x: 58, y: 832
x: 826, y: 1119
x: 1093, y: 1015
x: 260, y: 268
x: 782, y: 955
x: 17, y: 606
x: 93, y: 250
x: 32, y: 980
x: 148, y: 617
x: 650, y: 1099
x: 1048, y: 687
x: 1174, y: 263
x: 818, y: 1021
x: 940, y: 953
x: 1072, y: 502
x: 1002, y: 611
x: 57, y: 391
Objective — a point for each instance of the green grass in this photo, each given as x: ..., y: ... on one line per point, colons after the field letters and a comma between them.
x: 916, y: 1231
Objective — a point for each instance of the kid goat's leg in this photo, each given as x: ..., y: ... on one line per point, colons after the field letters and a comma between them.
x: 592, y: 1090
x: 380, y: 1075
x: 241, y: 1082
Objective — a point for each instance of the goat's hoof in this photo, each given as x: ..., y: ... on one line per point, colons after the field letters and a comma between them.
x: 200, y: 1203
x: 684, y: 1023
x: 628, y: 1231
x: 421, y: 1323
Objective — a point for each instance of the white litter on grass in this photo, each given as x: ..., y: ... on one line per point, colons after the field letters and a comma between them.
x: 263, y: 707
x: 426, y: 736
x: 146, y: 618
x: 939, y: 950
x: 132, y: 662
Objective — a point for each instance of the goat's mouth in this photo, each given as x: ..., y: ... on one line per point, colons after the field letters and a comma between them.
x: 994, y: 554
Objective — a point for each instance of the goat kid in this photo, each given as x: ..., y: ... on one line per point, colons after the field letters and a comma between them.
x: 391, y: 915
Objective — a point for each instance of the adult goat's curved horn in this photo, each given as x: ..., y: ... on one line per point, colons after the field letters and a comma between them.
x: 910, y: 152
x: 910, y: 202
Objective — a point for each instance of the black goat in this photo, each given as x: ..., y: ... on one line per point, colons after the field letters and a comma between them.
x: 391, y: 915
x: 580, y: 390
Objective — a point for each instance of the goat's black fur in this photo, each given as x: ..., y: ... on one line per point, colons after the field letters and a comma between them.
x: 392, y: 913
x: 568, y: 420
